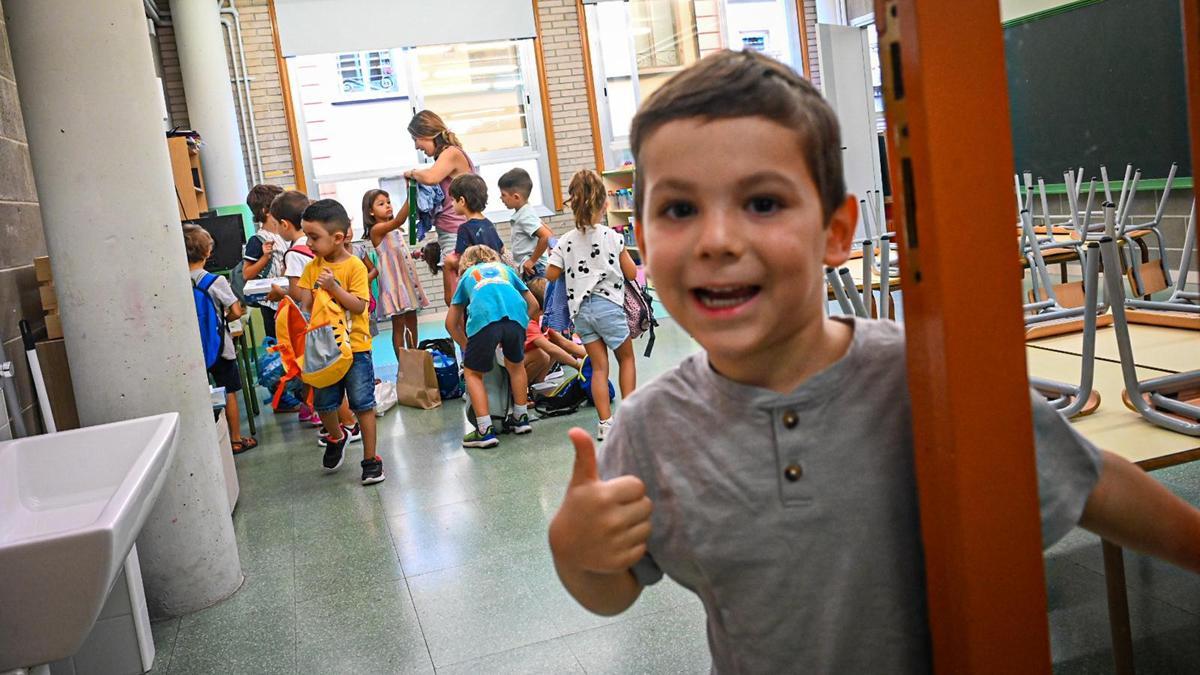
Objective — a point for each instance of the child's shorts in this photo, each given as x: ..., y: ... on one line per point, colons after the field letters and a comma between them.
x: 480, y: 354
x: 225, y: 374
x: 601, y: 319
x: 358, y: 385
x: 447, y: 241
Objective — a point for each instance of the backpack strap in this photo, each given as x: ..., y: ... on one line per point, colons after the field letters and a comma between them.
x: 206, y: 283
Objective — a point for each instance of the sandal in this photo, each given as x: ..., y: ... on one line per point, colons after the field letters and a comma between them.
x: 244, y: 444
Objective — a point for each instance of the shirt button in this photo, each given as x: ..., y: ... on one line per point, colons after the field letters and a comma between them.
x: 793, y: 473
x: 790, y: 420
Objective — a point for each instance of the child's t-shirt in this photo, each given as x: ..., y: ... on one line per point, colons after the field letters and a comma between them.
x: 591, y: 264
x: 295, y: 259
x: 491, y: 292
x: 254, y: 252
x: 794, y: 517
x: 222, y: 294
x: 351, y: 273
x: 525, y: 226
x: 478, y: 231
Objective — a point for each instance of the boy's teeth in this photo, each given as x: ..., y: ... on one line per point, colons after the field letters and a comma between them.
x: 725, y: 296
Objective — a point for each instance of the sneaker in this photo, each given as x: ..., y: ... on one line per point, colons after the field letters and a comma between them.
x: 372, y: 471
x: 354, y: 433
x: 309, y: 415
x: 603, y: 428
x: 335, y: 453
x: 518, y: 425
x: 486, y: 439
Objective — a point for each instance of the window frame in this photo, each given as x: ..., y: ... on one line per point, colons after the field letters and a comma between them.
x: 362, y: 61
x: 531, y: 87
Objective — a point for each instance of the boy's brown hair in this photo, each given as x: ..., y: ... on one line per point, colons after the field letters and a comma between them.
x: 259, y: 200
x: 729, y: 84
x: 477, y: 254
x: 289, y: 206
x: 517, y: 181
x: 587, y: 197
x: 198, y: 242
x: 471, y: 189
x: 537, y: 287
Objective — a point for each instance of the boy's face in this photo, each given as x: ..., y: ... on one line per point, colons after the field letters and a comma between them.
x: 460, y: 206
x: 323, y: 242
x: 512, y: 200
x: 733, y: 235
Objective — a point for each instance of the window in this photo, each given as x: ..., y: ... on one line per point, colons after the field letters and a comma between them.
x: 355, y: 107
x: 367, y: 74
x: 637, y: 45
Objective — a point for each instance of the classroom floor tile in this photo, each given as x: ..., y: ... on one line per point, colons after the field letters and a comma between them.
x: 445, y: 566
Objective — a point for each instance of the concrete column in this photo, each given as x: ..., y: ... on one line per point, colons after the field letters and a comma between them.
x: 86, y: 80
x: 205, y: 70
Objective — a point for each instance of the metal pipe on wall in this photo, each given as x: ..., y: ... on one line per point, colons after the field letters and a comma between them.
x: 242, y: 82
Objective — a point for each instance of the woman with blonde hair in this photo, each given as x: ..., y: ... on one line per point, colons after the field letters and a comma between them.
x: 431, y: 136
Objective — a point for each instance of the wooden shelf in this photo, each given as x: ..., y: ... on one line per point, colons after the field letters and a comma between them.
x: 189, y: 180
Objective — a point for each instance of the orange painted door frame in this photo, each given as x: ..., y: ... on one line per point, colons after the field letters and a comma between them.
x: 951, y: 161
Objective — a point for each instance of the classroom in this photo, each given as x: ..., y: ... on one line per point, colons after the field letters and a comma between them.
x: 599, y: 336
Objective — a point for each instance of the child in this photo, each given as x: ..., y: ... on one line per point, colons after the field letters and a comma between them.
x: 400, y: 293
x: 817, y: 566
x: 286, y: 210
x: 364, y: 251
x: 199, y: 245
x: 469, y: 195
x: 344, y: 277
x: 530, y: 238
x: 545, y: 347
x: 593, y: 261
x: 263, y: 255
x: 497, y: 306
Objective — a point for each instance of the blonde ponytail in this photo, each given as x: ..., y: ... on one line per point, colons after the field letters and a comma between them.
x: 588, y: 198
x: 427, y: 124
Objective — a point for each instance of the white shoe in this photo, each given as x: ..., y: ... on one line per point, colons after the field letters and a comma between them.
x: 603, y: 428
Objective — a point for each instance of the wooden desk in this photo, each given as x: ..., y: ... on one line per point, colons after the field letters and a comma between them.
x: 1173, y: 350
x: 1119, y: 430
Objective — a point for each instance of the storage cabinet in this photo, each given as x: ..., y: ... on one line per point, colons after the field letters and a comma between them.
x: 189, y: 181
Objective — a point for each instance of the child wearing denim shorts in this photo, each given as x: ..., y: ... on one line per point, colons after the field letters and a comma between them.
x: 593, y: 260
x: 342, y: 275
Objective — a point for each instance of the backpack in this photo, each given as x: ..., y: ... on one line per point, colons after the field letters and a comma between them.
x: 327, y: 356
x: 445, y: 365
x: 569, y: 395
x: 237, y: 280
x: 290, y: 325
x: 212, y: 321
x: 639, y: 311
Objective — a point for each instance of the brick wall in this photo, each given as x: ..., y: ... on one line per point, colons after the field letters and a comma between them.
x: 810, y: 36
x: 21, y: 230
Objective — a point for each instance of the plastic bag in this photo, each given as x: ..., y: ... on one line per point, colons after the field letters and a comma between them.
x: 385, y: 397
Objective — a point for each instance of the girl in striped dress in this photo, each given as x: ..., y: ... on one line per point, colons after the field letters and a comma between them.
x: 400, y: 292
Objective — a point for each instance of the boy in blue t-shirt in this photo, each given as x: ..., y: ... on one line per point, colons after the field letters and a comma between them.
x: 497, y: 307
x: 470, y: 196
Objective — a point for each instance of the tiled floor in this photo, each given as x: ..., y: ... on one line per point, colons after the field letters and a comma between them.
x: 444, y: 567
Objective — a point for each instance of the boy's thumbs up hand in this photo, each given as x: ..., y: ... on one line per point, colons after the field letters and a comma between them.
x: 602, y: 525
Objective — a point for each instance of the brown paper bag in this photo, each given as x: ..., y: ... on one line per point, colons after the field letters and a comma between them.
x: 416, y: 380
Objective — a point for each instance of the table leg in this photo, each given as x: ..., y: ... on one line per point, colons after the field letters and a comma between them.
x: 248, y: 393
x: 1062, y: 271
x: 1118, y: 608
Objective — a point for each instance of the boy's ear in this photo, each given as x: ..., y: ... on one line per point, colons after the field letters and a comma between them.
x: 639, y: 235
x: 839, y: 233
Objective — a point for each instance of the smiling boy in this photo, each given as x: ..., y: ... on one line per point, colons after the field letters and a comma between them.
x: 772, y: 473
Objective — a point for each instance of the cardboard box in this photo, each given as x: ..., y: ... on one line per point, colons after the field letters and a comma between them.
x: 49, y: 299
x: 41, y: 267
x: 54, y: 329
x: 52, y: 355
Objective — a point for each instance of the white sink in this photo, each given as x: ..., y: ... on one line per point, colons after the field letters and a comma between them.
x: 71, y: 506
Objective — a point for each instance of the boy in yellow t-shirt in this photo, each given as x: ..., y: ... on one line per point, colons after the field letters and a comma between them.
x: 344, y: 277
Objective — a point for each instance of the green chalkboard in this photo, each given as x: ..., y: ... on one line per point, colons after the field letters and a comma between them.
x: 1102, y: 83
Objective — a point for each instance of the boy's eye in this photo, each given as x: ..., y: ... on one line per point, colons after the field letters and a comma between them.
x: 679, y: 210
x: 763, y: 205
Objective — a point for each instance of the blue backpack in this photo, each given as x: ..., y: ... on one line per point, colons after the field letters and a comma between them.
x: 210, y: 318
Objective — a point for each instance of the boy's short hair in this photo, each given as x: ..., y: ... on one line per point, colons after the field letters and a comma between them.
x: 537, y: 287
x: 479, y: 253
x: 259, y: 200
x: 471, y: 189
x: 330, y: 214
x: 289, y: 206
x: 198, y: 242
x: 516, y: 180
x: 729, y: 84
